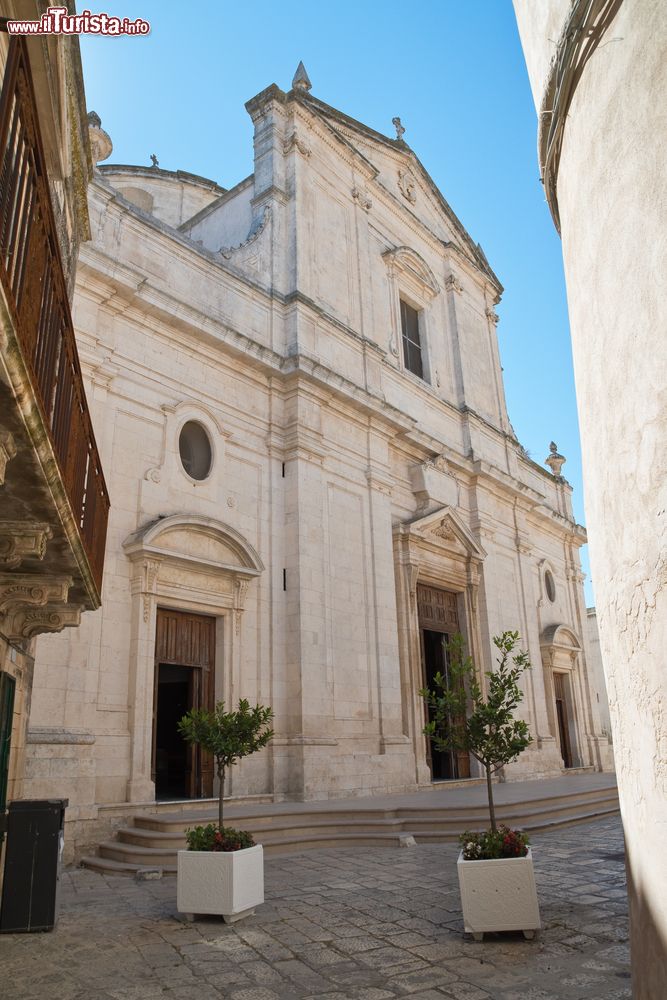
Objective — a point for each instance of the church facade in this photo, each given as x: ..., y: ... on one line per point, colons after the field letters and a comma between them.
x: 297, y: 395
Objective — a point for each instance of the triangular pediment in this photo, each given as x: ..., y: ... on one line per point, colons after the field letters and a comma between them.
x: 444, y: 526
x: 399, y: 170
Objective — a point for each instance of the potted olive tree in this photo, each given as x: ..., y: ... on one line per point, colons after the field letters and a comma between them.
x: 222, y: 869
x: 495, y: 867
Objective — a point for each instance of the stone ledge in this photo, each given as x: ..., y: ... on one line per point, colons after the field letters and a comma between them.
x: 58, y: 734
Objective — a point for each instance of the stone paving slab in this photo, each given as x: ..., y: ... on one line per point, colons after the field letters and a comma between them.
x: 349, y: 924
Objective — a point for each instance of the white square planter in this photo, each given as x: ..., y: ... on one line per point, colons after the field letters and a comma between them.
x: 229, y: 883
x: 499, y: 895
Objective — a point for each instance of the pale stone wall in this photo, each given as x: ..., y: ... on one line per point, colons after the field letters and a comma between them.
x: 227, y: 222
x: 613, y: 208
x: 339, y: 480
x: 596, y: 670
x: 171, y: 196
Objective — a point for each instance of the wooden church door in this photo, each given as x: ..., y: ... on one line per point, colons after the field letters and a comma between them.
x: 184, y: 679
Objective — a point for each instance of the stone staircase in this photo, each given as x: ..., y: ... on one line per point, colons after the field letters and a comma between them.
x: 152, y: 840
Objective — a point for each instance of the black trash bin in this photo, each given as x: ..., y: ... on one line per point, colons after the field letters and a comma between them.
x: 35, y: 838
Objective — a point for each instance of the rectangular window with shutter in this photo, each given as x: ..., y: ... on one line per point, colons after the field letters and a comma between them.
x: 412, y: 348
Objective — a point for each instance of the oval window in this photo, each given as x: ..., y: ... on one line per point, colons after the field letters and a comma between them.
x: 550, y: 586
x: 195, y: 450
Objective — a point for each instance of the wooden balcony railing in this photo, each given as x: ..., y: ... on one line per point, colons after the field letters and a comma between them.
x: 33, y: 279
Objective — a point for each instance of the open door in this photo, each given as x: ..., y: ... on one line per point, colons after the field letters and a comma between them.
x: 184, y: 679
x: 563, y: 720
x: 438, y: 621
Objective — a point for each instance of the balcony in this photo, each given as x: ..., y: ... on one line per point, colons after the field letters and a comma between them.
x: 54, y: 503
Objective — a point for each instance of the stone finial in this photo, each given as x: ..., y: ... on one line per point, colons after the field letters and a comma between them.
x: 554, y: 460
x: 398, y: 125
x: 101, y: 145
x: 154, y: 160
x: 301, y: 79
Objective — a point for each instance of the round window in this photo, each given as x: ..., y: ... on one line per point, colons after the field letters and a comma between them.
x: 550, y: 586
x: 195, y: 450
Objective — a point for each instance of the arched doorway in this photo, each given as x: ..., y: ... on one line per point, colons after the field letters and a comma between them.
x: 190, y: 581
x: 561, y: 651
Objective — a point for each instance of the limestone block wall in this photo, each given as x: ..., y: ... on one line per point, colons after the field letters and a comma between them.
x: 611, y: 201
x: 598, y: 681
x: 171, y: 196
x: 227, y: 222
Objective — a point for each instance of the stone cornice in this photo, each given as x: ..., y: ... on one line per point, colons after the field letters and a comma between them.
x: 310, y: 368
x: 157, y: 173
x: 313, y: 306
x: 169, y: 309
x: 483, y: 274
x: 158, y: 302
x: 137, y: 218
x: 257, y: 104
x: 350, y: 154
x: 581, y: 33
x: 402, y: 152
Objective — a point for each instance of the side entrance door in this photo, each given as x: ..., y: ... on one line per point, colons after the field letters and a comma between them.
x: 184, y: 679
x: 563, y: 721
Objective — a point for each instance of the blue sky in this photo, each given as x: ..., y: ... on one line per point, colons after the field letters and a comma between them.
x: 455, y: 74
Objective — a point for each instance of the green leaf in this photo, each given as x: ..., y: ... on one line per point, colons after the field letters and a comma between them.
x: 228, y: 736
x: 462, y: 719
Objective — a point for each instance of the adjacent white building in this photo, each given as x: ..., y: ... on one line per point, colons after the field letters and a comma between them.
x: 297, y: 394
x: 598, y: 73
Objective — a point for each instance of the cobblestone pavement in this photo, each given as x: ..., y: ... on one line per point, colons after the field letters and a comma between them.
x: 353, y: 924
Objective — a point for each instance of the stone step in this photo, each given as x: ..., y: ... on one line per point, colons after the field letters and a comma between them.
x: 125, y: 859
x: 305, y: 816
x: 107, y: 866
x: 154, y: 838
x: 164, y: 834
x: 146, y: 857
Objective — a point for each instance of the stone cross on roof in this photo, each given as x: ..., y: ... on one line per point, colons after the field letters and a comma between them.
x: 398, y: 125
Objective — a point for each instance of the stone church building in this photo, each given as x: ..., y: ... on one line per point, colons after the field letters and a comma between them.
x: 297, y: 395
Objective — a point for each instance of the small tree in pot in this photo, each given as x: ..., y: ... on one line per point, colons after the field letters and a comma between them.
x: 202, y: 885
x: 490, y: 733
x: 463, y: 719
x: 227, y: 736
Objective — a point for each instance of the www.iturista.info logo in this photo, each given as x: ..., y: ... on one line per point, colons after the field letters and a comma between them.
x: 58, y: 21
